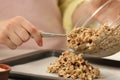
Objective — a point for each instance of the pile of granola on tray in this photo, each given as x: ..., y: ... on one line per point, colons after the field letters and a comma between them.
x: 71, y: 65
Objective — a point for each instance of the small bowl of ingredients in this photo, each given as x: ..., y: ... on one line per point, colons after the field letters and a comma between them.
x: 4, y: 71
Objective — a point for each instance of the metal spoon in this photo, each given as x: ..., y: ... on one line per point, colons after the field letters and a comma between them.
x: 44, y: 34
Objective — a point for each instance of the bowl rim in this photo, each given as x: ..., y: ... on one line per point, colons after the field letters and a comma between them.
x: 6, y: 67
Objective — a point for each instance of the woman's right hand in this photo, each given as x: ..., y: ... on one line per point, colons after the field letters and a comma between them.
x: 18, y: 30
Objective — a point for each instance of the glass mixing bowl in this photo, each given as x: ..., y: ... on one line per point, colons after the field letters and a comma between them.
x: 98, y: 12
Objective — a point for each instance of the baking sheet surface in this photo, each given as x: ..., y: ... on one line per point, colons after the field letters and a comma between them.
x: 39, y: 67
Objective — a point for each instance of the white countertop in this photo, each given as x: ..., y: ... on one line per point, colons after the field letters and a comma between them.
x: 7, y: 53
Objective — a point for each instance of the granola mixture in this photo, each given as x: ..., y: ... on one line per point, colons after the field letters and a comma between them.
x: 80, y: 39
x: 91, y: 41
x: 70, y: 65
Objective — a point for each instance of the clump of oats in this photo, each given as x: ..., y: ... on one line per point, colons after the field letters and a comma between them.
x: 70, y: 65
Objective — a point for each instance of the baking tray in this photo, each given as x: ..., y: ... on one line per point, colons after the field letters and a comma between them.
x: 33, y: 66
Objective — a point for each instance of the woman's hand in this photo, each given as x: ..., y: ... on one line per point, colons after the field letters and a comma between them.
x: 16, y: 31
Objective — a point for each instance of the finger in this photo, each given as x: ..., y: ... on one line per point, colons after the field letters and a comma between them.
x: 3, y: 37
x: 15, y: 38
x: 33, y: 31
x: 38, y: 38
x: 10, y: 44
x: 22, y: 33
x: 14, y: 26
